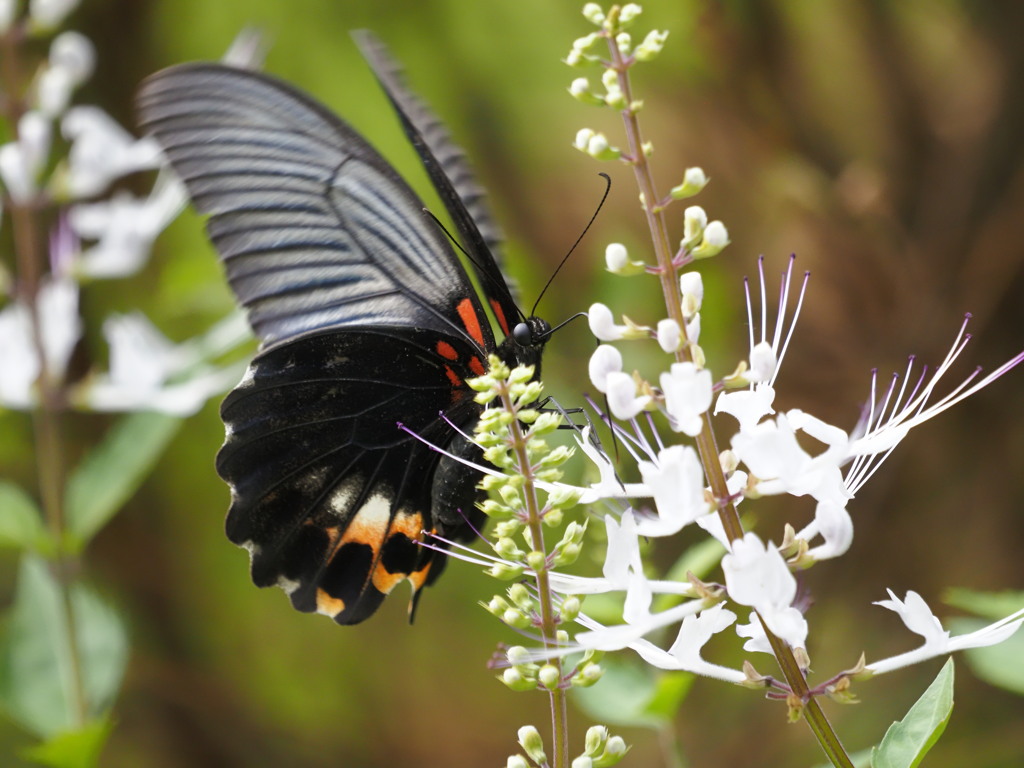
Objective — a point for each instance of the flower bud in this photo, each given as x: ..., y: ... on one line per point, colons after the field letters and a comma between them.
x: 669, y: 335
x: 714, y: 240
x: 549, y: 676
x: 651, y: 45
x: 693, y: 182
x: 580, y: 90
x: 629, y: 12
x: 694, y: 221
x: 593, y: 13
x: 616, y: 258
x: 597, y: 737
x: 532, y: 743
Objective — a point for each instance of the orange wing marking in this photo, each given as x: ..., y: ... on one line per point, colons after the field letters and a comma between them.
x: 470, y: 320
x: 500, y: 315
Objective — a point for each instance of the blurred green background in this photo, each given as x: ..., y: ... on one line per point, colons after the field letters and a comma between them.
x: 882, y: 142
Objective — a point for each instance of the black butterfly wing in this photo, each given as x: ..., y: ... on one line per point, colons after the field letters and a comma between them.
x: 366, y: 318
x: 449, y: 171
x: 314, y: 228
x: 329, y: 501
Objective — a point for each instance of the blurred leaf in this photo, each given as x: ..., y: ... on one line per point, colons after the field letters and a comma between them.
x: 109, y: 475
x: 72, y: 749
x: 21, y: 523
x: 992, y: 605
x: 632, y: 694
x: 999, y: 665
x: 669, y: 694
x: 35, y: 663
x: 907, y: 742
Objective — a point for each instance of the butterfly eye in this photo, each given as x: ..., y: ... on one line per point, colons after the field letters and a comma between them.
x: 523, y: 335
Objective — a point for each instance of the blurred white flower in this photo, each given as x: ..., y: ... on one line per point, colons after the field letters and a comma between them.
x: 101, y: 151
x: 48, y: 14
x: 149, y: 372
x: 59, y: 328
x: 125, y: 227
x: 22, y: 160
x: 71, y: 62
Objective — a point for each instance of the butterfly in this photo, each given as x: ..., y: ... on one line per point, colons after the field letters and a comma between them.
x: 366, y: 318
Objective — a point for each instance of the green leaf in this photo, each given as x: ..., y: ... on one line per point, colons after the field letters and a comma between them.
x: 907, y: 742
x: 36, y: 680
x: 72, y: 749
x: 631, y: 694
x: 21, y: 523
x: 998, y: 665
x: 109, y: 475
x: 992, y: 605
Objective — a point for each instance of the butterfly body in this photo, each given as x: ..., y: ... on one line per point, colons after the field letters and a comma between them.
x: 369, y: 328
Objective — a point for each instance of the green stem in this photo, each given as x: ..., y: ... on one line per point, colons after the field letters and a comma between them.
x: 707, y: 446
x: 549, y: 619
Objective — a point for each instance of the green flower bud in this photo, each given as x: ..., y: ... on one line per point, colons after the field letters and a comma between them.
x: 597, y: 737
x: 651, y: 45
x: 569, y: 609
x: 536, y: 562
x: 532, y: 743
x: 693, y: 182
x: 549, y: 677
x: 715, y: 238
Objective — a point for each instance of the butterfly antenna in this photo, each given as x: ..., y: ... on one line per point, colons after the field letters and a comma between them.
x: 604, y: 197
x: 563, y: 324
x: 481, y: 269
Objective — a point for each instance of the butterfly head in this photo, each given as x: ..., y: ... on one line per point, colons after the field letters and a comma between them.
x: 526, y: 343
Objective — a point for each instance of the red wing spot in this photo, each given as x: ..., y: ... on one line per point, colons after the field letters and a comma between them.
x: 453, y: 377
x: 498, y: 313
x: 476, y: 366
x: 447, y: 351
x: 470, y: 321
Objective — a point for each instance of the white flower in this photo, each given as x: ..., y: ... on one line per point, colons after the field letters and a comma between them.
x: 71, y: 62
x: 691, y: 287
x: 59, y: 326
x: 7, y: 10
x: 688, y: 392
x: 747, y: 406
x: 918, y: 618
x: 48, y: 14
x: 757, y: 576
x: 101, y: 151
x: 694, y: 221
x: 677, y: 484
x: 714, y: 240
x: 149, y: 372
x: 773, y: 455
x: 624, y: 402
x: 22, y: 160
x: 835, y: 526
x: 602, y: 323
x: 605, y: 361
x: 125, y: 227
x: 764, y: 365
x: 888, y: 422
x: 669, y: 335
